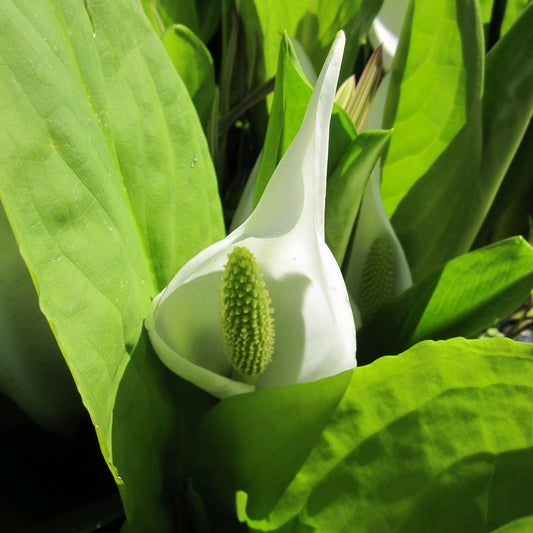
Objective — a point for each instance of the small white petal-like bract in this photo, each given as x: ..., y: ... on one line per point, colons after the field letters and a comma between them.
x: 314, y: 328
x: 377, y: 269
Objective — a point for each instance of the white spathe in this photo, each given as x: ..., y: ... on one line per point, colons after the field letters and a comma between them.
x: 373, y: 221
x: 314, y: 326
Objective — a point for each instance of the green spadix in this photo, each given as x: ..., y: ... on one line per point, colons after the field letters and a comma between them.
x: 246, y: 314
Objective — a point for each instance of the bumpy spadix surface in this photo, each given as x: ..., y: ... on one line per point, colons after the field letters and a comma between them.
x: 377, y: 269
x: 376, y: 278
x: 315, y: 332
x: 246, y: 314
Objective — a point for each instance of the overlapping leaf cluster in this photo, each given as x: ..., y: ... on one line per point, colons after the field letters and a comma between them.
x: 108, y: 187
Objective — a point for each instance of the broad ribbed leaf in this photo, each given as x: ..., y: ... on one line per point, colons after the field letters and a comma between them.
x: 507, y: 105
x: 434, y: 105
x: 106, y: 179
x: 513, y: 10
x: 439, y: 438
x: 46, y: 393
x: 346, y: 186
x: 521, y: 525
x: 512, y: 205
x: 312, y: 24
x: 194, y: 65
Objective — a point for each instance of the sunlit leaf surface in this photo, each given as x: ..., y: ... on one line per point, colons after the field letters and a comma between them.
x: 107, y: 182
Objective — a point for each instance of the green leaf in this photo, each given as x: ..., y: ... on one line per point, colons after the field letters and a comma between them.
x: 434, y: 106
x: 499, y: 16
x: 521, y: 525
x: 486, y: 10
x: 275, y: 439
x: 194, y: 65
x: 151, y: 441
x: 200, y: 16
x: 513, y: 10
x: 107, y: 182
x: 313, y: 24
x: 157, y: 15
x: 427, y: 100
x: 166, y: 13
x: 507, y: 106
x: 510, y: 209
x: 467, y: 295
x: 436, y: 436
x: 33, y: 372
x: 346, y: 185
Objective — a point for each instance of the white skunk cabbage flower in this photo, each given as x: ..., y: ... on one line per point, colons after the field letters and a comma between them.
x: 378, y: 269
x: 267, y: 305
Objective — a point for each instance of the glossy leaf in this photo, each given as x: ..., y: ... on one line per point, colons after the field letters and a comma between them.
x: 376, y: 269
x: 312, y: 24
x: 467, y: 295
x: 427, y: 96
x: 194, y: 65
x: 509, y: 212
x: 164, y: 14
x: 513, y: 10
x: 486, y: 10
x: 439, y: 435
x: 507, y: 106
x: 434, y: 106
x: 107, y: 181
x: 346, y: 186
x: 520, y: 525
x: 33, y: 372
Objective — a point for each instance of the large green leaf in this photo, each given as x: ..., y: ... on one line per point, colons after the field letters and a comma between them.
x: 513, y: 10
x: 507, y: 106
x: 108, y: 185
x: 499, y: 16
x: 32, y: 371
x: 521, y: 525
x: 346, y: 186
x: 200, y: 16
x: 438, y: 439
x: 505, y: 176
x: 434, y: 91
x: 512, y: 206
x: 486, y: 10
x: 442, y: 208
x: 468, y: 294
x: 434, y: 106
x: 313, y: 24
x: 194, y: 65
